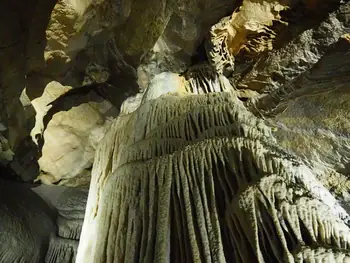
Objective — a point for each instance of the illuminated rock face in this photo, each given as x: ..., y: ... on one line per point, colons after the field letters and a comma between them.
x: 231, y: 34
x: 189, y: 177
x: 69, y: 139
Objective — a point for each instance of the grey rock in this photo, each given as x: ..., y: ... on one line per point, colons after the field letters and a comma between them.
x: 39, y: 224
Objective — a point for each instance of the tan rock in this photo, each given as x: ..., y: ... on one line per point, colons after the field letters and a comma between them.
x: 70, y: 138
x: 230, y: 35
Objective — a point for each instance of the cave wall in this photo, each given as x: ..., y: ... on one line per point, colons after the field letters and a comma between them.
x: 84, y: 42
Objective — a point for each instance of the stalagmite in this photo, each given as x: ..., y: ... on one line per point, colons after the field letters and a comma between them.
x: 195, y: 177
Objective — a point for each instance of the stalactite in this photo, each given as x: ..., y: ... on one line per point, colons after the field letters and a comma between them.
x: 197, y: 178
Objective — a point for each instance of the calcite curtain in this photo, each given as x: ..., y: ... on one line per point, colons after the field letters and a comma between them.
x: 197, y: 178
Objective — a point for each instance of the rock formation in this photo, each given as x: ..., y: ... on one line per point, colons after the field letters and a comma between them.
x: 230, y: 35
x: 39, y: 223
x: 205, y: 131
x: 220, y: 189
x: 70, y: 138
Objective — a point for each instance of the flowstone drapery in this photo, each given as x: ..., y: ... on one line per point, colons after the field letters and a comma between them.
x: 197, y: 178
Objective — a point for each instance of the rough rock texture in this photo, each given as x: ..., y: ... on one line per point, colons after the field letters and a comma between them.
x: 316, y: 126
x: 110, y: 35
x: 250, y: 167
x: 307, y: 96
x: 186, y: 29
x: 205, y: 162
x: 67, y: 37
x: 26, y: 223
x: 41, y: 40
x: 230, y: 35
x: 70, y: 206
x: 22, y: 44
x: 67, y: 34
x: 39, y: 224
x: 275, y: 72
